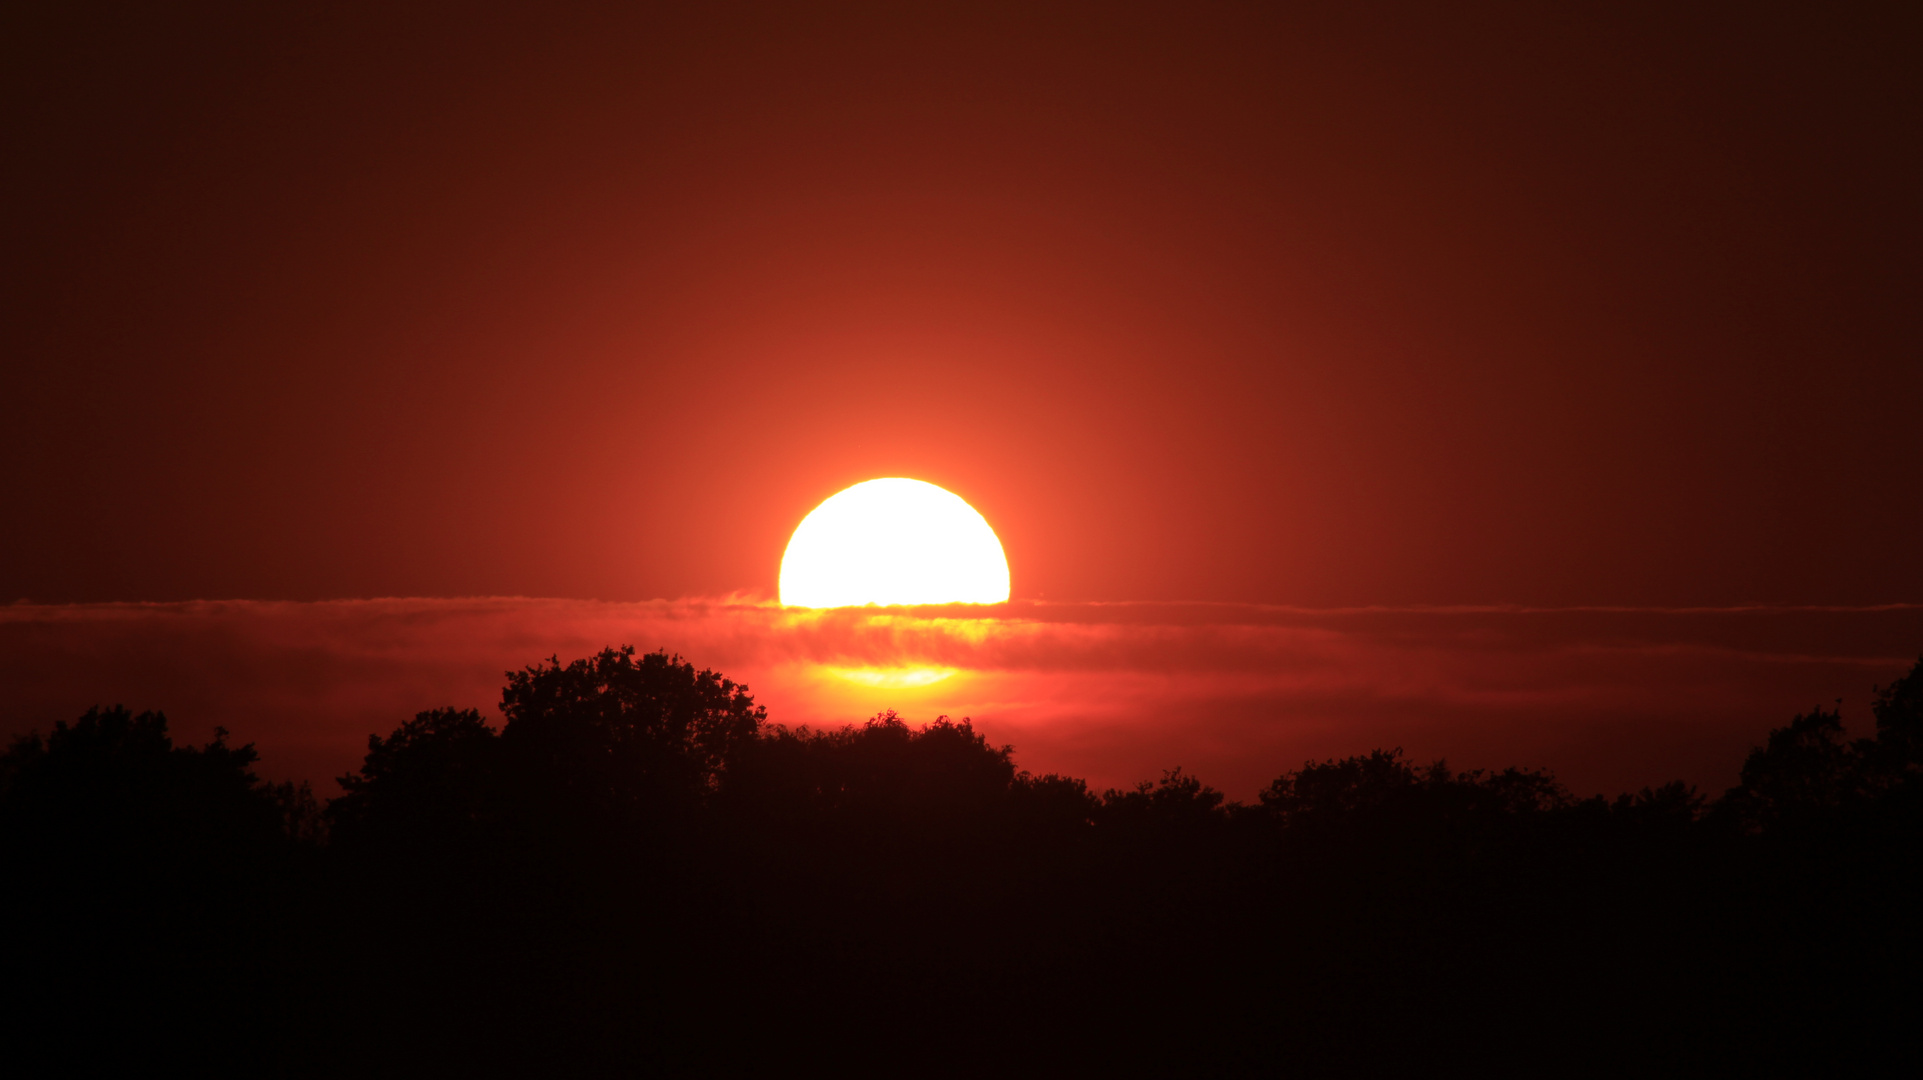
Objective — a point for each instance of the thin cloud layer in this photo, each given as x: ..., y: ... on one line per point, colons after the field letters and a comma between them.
x: 1609, y: 698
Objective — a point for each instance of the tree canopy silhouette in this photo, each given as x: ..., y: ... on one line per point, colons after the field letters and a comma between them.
x: 145, y: 881
x: 635, y: 853
x: 112, y: 791
x: 616, y: 734
x: 435, y: 780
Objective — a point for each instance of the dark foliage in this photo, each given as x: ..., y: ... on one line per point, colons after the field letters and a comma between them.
x: 615, y: 735
x: 1806, y: 771
x: 636, y: 871
x: 434, y: 781
x: 138, y: 871
x: 114, y: 784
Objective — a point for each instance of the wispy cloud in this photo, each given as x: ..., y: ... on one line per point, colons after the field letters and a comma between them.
x: 1608, y: 697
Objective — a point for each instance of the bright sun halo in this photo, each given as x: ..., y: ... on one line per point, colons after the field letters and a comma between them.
x: 893, y: 541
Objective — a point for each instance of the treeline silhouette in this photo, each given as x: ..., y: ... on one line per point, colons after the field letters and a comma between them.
x: 637, y: 871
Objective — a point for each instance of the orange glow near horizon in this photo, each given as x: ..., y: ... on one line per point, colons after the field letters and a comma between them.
x: 893, y: 541
x: 894, y: 678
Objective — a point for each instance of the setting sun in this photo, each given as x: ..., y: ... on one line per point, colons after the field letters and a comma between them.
x: 893, y: 541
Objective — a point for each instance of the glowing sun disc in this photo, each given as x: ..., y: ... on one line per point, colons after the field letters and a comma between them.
x: 893, y: 541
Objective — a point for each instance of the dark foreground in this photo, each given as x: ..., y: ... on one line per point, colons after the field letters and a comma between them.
x: 637, y: 874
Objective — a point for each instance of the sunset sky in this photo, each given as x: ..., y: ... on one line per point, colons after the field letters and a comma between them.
x: 1521, y: 383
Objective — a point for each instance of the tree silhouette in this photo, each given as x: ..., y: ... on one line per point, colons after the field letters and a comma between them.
x: 144, y: 883
x: 1806, y: 770
x: 1176, y: 806
x: 1672, y: 805
x: 1384, y: 783
x: 613, y: 734
x: 635, y: 854
x: 112, y: 790
x: 1808, y: 773
x: 1896, y: 753
x: 884, y: 768
x: 435, y: 780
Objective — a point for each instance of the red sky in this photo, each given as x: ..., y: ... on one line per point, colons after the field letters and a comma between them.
x: 1343, y: 306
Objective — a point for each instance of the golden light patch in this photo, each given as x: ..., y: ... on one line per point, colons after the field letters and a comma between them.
x: 892, y: 678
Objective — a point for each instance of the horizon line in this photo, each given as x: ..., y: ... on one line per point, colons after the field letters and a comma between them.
x: 758, y: 601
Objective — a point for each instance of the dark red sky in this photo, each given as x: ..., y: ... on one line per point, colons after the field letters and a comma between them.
x: 1539, y: 304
